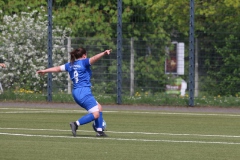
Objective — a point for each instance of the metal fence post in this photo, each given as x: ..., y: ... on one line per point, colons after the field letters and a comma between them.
x: 191, y: 55
x: 132, y: 67
x: 69, y: 44
x: 49, y: 84
x: 119, y: 53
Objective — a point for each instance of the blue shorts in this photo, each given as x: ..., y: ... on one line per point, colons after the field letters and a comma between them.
x: 83, y: 97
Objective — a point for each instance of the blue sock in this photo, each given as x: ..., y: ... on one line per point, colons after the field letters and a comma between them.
x: 99, y: 121
x: 86, y: 119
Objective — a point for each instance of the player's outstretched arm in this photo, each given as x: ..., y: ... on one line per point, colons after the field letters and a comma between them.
x: 99, y: 55
x: 3, y: 65
x: 53, y: 69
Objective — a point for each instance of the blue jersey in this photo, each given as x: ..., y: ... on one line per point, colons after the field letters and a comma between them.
x: 79, y: 72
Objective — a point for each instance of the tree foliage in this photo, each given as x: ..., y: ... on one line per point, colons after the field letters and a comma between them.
x: 217, y: 33
x: 153, y: 24
x: 24, y: 49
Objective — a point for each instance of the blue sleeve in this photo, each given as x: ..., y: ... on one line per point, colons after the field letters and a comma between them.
x: 67, y: 67
x: 86, y: 62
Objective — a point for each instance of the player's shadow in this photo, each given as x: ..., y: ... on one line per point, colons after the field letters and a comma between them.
x: 91, y: 135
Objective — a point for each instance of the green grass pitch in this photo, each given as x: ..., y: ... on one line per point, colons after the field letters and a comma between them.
x: 44, y: 134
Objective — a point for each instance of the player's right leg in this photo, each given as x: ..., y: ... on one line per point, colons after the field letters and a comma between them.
x: 99, y: 123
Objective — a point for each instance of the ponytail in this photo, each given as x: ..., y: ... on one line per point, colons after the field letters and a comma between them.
x: 77, y: 53
x: 72, y: 56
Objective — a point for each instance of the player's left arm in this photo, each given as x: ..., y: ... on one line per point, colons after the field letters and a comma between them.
x: 52, y: 69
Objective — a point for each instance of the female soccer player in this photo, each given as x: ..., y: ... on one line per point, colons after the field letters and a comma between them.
x: 80, y: 74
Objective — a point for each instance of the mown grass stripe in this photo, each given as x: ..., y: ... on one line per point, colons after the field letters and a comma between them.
x: 118, y: 132
x: 29, y: 110
x: 121, y: 139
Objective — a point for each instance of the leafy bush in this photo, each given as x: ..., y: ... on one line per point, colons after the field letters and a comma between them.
x: 23, y: 48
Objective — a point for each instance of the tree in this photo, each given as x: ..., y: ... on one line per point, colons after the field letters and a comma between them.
x: 24, y: 44
x: 10, y: 7
x: 218, y: 76
x: 218, y: 36
x: 217, y: 31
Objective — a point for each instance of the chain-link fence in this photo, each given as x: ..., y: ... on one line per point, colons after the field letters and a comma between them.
x: 156, y: 47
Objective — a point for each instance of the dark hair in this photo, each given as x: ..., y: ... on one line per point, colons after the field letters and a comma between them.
x: 77, y: 53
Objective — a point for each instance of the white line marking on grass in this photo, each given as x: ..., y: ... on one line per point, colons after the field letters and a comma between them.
x: 178, y: 134
x: 185, y: 114
x: 147, y: 133
x: 30, y: 110
x: 21, y: 112
x: 119, y: 139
